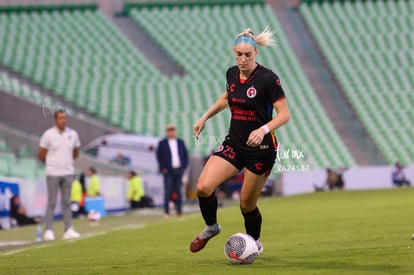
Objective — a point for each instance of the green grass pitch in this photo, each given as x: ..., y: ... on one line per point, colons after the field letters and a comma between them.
x: 349, y: 232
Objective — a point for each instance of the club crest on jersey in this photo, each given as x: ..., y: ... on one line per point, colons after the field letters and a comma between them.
x: 251, y: 92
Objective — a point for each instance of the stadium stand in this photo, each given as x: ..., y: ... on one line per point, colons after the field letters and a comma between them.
x: 368, y: 46
x: 22, y: 165
x: 81, y: 56
x: 12, y: 85
x: 19, y: 160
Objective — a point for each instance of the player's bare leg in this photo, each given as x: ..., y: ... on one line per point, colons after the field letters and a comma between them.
x: 216, y: 171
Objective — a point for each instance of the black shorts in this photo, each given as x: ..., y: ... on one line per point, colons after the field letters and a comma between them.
x: 255, y: 160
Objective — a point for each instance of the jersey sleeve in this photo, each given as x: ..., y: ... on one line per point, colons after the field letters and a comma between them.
x: 274, y: 88
x: 77, y: 140
x: 44, y: 140
x: 227, y: 81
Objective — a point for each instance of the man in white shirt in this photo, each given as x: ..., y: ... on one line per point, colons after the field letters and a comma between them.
x: 58, y: 148
x: 172, y: 159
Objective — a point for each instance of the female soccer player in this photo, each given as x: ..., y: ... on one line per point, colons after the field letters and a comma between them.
x: 252, y: 93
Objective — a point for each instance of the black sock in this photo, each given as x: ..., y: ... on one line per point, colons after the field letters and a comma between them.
x: 253, y: 223
x: 208, y: 207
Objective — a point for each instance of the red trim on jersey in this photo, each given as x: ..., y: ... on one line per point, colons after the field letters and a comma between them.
x: 272, y: 134
x: 252, y: 75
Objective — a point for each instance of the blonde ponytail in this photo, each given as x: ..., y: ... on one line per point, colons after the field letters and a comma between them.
x: 265, y: 38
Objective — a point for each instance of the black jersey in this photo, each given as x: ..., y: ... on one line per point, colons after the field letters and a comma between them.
x: 251, y: 104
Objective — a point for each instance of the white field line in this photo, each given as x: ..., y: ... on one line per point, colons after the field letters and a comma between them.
x: 83, y: 237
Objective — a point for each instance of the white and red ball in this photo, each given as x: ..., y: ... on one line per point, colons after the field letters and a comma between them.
x: 241, y: 248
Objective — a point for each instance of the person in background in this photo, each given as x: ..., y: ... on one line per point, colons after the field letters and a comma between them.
x: 135, y: 190
x: 172, y: 159
x: 77, y: 197
x: 334, y: 179
x: 82, y: 210
x: 94, y: 183
x: 18, y: 212
x: 122, y: 160
x: 58, y: 148
x: 398, y: 176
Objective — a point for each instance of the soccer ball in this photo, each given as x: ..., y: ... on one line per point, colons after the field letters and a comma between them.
x: 241, y: 248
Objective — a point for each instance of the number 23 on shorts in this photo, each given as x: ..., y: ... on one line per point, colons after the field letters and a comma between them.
x: 229, y: 152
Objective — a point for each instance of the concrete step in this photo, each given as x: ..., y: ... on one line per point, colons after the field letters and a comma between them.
x: 147, y: 46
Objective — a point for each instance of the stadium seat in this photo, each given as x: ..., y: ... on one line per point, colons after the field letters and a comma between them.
x: 24, y: 165
x: 3, y: 146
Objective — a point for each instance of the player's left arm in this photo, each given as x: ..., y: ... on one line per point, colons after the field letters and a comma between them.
x: 281, y: 118
x: 277, y: 97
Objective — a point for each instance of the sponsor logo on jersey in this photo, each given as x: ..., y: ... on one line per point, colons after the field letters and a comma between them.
x: 240, y: 100
x: 264, y: 147
x: 278, y: 82
x: 231, y: 88
x: 251, y: 92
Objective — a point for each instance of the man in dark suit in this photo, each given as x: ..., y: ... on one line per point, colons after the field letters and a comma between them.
x: 172, y: 159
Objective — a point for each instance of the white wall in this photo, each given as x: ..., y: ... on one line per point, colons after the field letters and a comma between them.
x: 33, y: 194
x: 376, y: 177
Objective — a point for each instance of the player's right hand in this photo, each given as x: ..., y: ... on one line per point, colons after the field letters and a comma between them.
x: 198, y: 127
